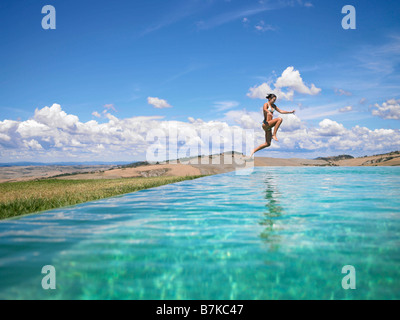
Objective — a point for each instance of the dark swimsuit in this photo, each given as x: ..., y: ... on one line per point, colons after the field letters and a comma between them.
x: 266, y: 123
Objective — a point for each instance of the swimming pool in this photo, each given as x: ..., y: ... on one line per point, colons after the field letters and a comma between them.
x: 277, y: 233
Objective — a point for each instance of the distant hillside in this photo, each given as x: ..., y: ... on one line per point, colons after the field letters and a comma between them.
x: 387, y: 154
x: 385, y: 159
x: 180, y: 160
x: 87, y: 163
x: 335, y: 158
x: 185, y: 159
x: 135, y: 164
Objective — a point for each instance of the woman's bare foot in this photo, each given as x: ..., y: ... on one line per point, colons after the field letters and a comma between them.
x: 275, y: 138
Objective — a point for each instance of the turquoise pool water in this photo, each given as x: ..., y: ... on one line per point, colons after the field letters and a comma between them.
x: 277, y: 233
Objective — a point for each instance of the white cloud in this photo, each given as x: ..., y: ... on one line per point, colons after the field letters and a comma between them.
x: 33, y: 128
x: 261, y: 91
x: 292, y: 123
x: 290, y: 79
x: 243, y: 118
x: 32, y: 144
x: 4, y: 137
x: 388, y: 110
x: 67, y: 137
x: 158, y: 103
x: 96, y: 114
x: 54, y: 116
x: 328, y: 127
x: 331, y: 137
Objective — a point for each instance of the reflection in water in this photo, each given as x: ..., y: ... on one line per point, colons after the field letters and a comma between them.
x: 274, y: 211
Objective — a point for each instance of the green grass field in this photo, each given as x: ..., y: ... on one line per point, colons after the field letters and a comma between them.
x: 19, y: 198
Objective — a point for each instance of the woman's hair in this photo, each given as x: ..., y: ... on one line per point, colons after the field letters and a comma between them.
x: 270, y: 96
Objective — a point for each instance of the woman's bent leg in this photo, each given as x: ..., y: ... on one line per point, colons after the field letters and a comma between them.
x: 278, y: 123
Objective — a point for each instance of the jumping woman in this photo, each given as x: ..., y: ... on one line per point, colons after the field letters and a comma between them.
x: 269, y: 123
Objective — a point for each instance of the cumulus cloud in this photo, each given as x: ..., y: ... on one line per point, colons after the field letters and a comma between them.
x: 54, y: 116
x: 158, y: 103
x: 4, y: 137
x: 32, y: 144
x: 292, y: 123
x: 261, y: 91
x: 328, y: 137
x: 96, y: 114
x: 328, y: 127
x: 333, y: 137
x: 387, y: 110
x: 243, y: 118
x: 290, y: 80
x: 52, y: 134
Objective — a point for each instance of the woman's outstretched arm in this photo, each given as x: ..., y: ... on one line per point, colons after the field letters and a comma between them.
x: 284, y: 112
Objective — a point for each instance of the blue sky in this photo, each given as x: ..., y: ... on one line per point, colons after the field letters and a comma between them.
x: 201, y: 63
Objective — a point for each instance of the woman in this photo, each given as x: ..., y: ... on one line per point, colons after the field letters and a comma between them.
x: 270, y: 123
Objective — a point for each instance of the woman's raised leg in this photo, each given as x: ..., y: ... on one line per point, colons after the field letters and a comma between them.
x: 277, y: 125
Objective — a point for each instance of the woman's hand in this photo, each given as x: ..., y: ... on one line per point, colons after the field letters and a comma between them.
x: 293, y: 111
